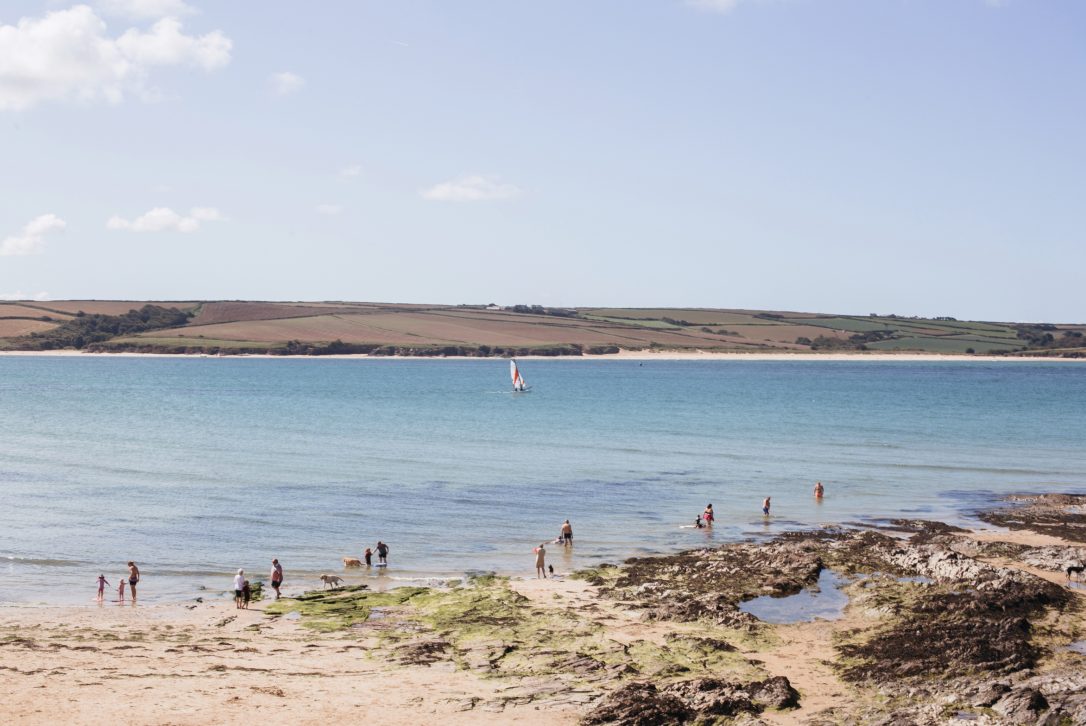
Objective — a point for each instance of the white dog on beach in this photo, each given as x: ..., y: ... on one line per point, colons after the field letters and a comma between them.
x: 331, y: 580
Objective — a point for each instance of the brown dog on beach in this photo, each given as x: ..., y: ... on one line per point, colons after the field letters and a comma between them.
x: 331, y: 580
x: 352, y: 562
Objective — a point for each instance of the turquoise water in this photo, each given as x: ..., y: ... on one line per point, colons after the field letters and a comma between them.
x: 194, y: 467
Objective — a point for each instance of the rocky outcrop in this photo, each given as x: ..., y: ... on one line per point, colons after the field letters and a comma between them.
x: 709, y: 584
x: 1022, y: 706
x: 1057, y: 559
x: 967, y: 631
x: 639, y: 704
x: 947, y: 565
x: 702, y: 699
x: 1057, y: 515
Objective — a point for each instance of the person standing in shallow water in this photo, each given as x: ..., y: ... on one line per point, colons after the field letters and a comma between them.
x: 382, y: 552
x: 540, y: 562
x: 819, y: 490
x: 567, y: 533
x: 276, y: 577
x: 765, y: 506
x: 707, y: 516
x: 133, y: 578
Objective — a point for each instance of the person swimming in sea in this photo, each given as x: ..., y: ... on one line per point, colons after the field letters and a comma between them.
x: 765, y: 506
x: 697, y: 522
x: 819, y: 490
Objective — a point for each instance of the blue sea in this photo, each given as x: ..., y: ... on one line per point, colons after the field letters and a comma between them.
x: 194, y: 467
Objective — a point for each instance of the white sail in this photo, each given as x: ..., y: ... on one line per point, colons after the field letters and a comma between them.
x: 518, y: 380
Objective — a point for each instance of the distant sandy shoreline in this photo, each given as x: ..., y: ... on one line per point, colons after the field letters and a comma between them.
x: 631, y: 355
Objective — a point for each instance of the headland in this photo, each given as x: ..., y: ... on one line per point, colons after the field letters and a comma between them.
x: 334, y: 328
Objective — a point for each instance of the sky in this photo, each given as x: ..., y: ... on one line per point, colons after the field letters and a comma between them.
x: 916, y: 157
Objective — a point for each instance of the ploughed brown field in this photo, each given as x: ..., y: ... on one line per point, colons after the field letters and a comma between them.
x: 13, y: 327
x: 386, y: 329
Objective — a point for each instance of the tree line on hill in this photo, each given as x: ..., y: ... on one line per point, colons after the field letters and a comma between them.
x: 85, y: 330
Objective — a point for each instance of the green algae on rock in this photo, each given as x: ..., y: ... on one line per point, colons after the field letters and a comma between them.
x: 339, y: 609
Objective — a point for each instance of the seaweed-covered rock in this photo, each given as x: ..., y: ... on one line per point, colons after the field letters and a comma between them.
x: 776, y: 692
x: 423, y: 652
x: 712, y: 697
x: 964, y: 631
x: 639, y: 704
x: 697, y: 700
x: 709, y: 584
x: 1059, y: 515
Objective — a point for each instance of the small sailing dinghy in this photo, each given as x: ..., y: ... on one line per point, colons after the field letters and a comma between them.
x: 519, y: 386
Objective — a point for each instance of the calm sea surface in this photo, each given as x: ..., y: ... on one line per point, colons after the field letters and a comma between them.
x: 194, y: 467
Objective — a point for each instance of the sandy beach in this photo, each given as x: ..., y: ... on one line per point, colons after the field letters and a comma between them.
x: 658, y: 636
x: 185, y: 664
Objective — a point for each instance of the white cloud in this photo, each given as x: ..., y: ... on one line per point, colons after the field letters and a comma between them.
x: 349, y: 172
x: 470, y: 188
x: 145, y: 9
x: 285, y: 83
x: 31, y: 240
x: 20, y: 295
x: 714, y: 6
x: 167, y: 45
x: 161, y: 219
x: 329, y: 209
x: 69, y: 55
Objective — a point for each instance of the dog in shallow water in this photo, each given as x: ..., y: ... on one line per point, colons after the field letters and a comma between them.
x: 1074, y: 568
x: 352, y: 562
x: 331, y: 580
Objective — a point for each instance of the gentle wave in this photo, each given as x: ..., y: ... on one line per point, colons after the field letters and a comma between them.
x: 40, y: 562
